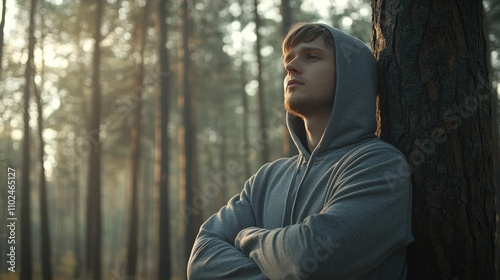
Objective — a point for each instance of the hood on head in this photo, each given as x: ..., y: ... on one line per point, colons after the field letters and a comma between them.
x: 353, y: 115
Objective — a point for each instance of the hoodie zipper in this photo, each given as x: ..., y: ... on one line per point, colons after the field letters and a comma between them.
x: 293, y: 191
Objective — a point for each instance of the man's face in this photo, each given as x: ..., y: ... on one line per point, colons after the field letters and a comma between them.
x: 310, y: 80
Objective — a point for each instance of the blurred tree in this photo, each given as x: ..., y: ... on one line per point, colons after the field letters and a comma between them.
x: 264, y: 133
x: 289, y: 148
x: 45, y: 252
x: 162, y: 148
x: 138, y: 44
x: 26, y: 251
x: 188, y: 177
x: 94, y: 170
x: 435, y: 107
x: 2, y: 27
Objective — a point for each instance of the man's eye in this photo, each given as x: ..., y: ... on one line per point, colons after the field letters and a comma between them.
x: 311, y: 57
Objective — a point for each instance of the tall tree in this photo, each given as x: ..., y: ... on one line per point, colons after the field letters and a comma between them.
x: 138, y: 43
x: 94, y: 170
x: 289, y: 148
x: 244, y: 97
x: 162, y: 221
x: 187, y: 131
x: 435, y: 107
x: 45, y: 252
x: 75, y: 168
x: 26, y: 262
x: 2, y: 26
x: 264, y: 150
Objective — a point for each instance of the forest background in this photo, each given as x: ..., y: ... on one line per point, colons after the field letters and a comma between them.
x: 233, y: 124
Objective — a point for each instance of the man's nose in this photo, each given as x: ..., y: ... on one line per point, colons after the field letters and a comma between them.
x: 292, y: 67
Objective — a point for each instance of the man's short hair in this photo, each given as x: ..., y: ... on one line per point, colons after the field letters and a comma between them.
x: 306, y: 32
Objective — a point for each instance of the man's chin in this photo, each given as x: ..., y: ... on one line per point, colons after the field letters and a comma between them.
x: 295, y: 110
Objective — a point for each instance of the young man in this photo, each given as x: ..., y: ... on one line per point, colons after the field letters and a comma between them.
x: 341, y: 209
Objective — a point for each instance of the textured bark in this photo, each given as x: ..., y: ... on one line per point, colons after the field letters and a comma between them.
x: 435, y: 107
x: 94, y: 170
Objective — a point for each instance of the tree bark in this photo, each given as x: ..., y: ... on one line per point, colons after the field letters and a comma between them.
x: 26, y: 252
x: 434, y: 104
x: 94, y: 170
x: 162, y: 153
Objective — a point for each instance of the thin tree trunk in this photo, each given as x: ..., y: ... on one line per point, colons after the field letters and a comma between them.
x: 289, y: 148
x: 435, y: 107
x: 139, y: 39
x: 192, y: 213
x: 2, y: 26
x: 26, y: 262
x: 222, y: 154
x: 94, y: 175
x: 263, y: 134
x: 76, y: 223
x: 45, y: 252
x: 162, y: 215
x: 77, y: 269
x: 244, y: 101
x: 245, y: 116
x: 144, y: 270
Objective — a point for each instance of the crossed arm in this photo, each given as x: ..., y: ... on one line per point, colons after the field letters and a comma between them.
x: 365, y: 222
x: 214, y: 255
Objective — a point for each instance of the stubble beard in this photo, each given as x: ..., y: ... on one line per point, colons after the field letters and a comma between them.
x: 305, y: 106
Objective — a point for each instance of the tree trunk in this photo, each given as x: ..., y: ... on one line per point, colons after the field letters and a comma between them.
x: 222, y: 155
x: 192, y: 213
x: 139, y: 42
x: 2, y: 26
x: 263, y: 134
x: 77, y: 269
x: 289, y: 148
x: 244, y: 101
x: 75, y: 171
x: 162, y: 215
x: 45, y: 252
x: 26, y: 262
x: 94, y: 171
x: 435, y: 107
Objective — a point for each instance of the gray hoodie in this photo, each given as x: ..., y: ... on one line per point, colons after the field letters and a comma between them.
x: 342, y: 211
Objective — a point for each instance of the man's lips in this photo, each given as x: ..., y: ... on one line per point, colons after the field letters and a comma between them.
x: 294, y: 83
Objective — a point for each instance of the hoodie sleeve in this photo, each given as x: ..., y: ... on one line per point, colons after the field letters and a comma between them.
x: 213, y: 255
x: 365, y: 220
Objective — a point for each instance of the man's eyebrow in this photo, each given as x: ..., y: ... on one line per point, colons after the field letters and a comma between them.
x: 304, y: 49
